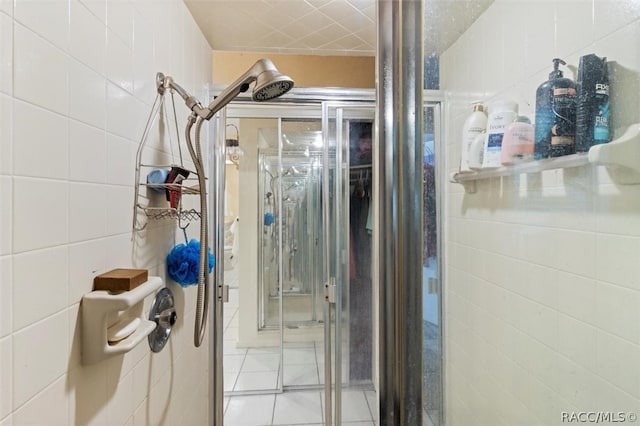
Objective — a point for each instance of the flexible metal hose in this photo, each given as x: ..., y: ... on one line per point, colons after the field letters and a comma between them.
x: 202, y: 303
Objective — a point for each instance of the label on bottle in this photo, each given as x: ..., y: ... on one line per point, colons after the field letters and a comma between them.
x: 563, y: 105
x: 602, y: 114
x: 601, y: 124
x: 562, y: 140
x: 494, y: 141
x: 602, y: 89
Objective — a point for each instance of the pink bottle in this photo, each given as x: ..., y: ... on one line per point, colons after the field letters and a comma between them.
x: 518, y: 142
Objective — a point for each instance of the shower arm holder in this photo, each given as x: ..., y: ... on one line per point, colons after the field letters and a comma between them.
x: 164, y: 82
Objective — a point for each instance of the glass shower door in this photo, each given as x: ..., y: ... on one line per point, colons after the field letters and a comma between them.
x: 347, y: 225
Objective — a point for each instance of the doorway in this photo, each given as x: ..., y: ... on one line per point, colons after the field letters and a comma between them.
x: 278, y: 317
x: 300, y: 324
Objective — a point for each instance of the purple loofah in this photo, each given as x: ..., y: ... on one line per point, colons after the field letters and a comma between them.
x: 183, y: 262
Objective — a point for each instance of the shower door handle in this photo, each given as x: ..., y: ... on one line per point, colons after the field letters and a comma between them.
x: 330, y: 290
x: 223, y: 293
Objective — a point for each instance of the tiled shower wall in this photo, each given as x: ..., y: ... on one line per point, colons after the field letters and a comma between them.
x: 76, y: 88
x: 542, y: 301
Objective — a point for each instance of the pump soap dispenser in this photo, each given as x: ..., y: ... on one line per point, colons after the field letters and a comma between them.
x: 473, y: 126
x: 555, y: 125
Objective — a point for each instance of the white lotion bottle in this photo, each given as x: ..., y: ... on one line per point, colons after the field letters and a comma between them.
x: 474, y: 125
x: 476, y: 152
x: 501, y: 113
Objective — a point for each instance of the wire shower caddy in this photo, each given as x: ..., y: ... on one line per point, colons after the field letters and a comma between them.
x: 152, y: 206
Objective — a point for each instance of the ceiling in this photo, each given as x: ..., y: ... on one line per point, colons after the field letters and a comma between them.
x: 320, y: 27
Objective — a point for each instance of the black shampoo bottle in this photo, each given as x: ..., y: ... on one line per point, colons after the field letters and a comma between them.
x: 592, y: 113
x: 555, y: 115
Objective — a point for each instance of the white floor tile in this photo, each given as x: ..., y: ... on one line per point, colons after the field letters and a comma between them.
x: 249, y: 410
x: 372, y: 401
x: 261, y: 362
x: 299, y: 356
x: 229, y: 380
x: 229, y: 348
x: 263, y: 350
x: 231, y: 334
x: 297, y: 408
x: 302, y: 374
x: 233, y: 363
x: 355, y: 407
x: 261, y: 380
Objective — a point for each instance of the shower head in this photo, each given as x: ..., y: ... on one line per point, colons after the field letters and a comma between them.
x: 269, y: 84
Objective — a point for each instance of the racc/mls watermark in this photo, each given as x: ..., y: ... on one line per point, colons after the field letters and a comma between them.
x: 598, y: 417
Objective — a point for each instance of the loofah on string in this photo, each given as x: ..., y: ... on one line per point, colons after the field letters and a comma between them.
x: 183, y: 263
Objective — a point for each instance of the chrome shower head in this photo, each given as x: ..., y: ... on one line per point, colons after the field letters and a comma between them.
x: 270, y: 83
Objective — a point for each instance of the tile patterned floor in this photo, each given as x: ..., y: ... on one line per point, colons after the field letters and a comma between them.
x: 258, y: 369
x: 295, y: 408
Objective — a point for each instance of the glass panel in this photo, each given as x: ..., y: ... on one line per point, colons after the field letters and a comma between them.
x: 303, y: 290
x: 252, y: 354
x: 350, y: 199
x: 282, y: 290
x: 431, y: 301
x: 542, y: 292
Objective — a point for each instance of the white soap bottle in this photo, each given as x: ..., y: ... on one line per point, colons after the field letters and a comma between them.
x: 476, y: 152
x: 474, y: 125
x: 501, y: 113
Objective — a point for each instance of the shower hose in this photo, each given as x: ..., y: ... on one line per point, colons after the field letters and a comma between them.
x: 202, y: 302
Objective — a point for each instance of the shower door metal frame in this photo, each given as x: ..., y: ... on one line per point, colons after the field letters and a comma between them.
x: 334, y: 280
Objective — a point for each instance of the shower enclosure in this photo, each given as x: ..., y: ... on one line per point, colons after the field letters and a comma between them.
x: 290, y: 201
x: 305, y: 316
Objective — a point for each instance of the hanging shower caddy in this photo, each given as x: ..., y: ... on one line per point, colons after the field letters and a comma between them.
x: 151, y: 202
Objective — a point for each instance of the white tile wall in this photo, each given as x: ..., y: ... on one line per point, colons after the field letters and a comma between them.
x: 122, y: 112
x: 87, y: 211
x: 42, y: 149
x: 40, y: 71
x: 87, y: 95
x: 5, y: 216
x: 543, y: 296
x: 86, y: 260
x: 87, y: 37
x: 5, y: 296
x: 5, y: 133
x: 37, y: 295
x: 6, y: 54
x: 119, y: 62
x: 52, y: 401
x: 33, y: 198
x: 6, y: 377
x: 75, y: 92
x: 6, y: 6
x: 49, y: 19
x: 120, y: 21
x: 39, y: 357
x: 87, y: 153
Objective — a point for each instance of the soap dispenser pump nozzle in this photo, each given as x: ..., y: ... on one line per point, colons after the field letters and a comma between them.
x: 556, y: 73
